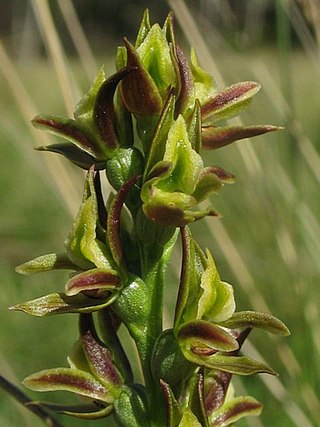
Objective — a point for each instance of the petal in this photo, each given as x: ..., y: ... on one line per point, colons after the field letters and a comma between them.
x: 201, y: 335
x: 99, y: 357
x: 93, y: 280
x: 156, y: 57
x: 157, y: 146
x: 104, y: 113
x: 203, y: 82
x: 143, y: 29
x: 82, y: 245
x: 187, y: 162
x: 217, y: 301
x: 208, y: 183
x: 189, y: 419
x: 113, y: 223
x: 186, y: 94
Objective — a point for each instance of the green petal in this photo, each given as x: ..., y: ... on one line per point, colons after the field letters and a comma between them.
x: 155, y: 56
x: 84, y: 109
x: 187, y: 162
x: 204, y: 83
x: 217, y: 301
x: 189, y: 419
x: 82, y: 246
x: 157, y: 146
x: 143, y: 29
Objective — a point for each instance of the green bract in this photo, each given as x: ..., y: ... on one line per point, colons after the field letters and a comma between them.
x: 147, y: 126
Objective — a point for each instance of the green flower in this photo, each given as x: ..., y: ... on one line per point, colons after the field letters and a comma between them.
x: 101, y: 125
x: 154, y: 74
x: 175, y: 177
x: 205, y: 316
x: 91, y: 374
x: 93, y: 253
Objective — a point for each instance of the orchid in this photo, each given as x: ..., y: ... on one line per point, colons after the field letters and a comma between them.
x: 146, y: 127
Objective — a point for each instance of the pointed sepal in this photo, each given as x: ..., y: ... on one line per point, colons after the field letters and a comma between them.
x: 254, y: 319
x: 234, y: 410
x: 229, y: 102
x: 214, y: 137
x: 46, y: 263
x: 60, y: 303
x: 68, y: 379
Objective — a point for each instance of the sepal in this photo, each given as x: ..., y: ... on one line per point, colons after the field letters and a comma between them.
x: 254, y: 319
x: 214, y: 137
x: 68, y: 379
x: 46, y: 263
x: 94, y: 411
x: 229, y: 102
x: 240, y: 365
x: 234, y: 410
x: 60, y: 303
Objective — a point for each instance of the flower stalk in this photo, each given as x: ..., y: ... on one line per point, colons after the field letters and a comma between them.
x: 146, y: 127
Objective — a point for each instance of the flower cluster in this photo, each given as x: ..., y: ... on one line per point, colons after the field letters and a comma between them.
x: 147, y: 126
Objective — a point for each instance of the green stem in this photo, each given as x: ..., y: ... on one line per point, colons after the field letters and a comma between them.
x: 156, y: 244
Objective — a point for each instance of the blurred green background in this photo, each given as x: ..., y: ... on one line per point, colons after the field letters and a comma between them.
x: 268, y: 242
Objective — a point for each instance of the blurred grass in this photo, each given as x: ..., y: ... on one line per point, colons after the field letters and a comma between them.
x: 266, y: 245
